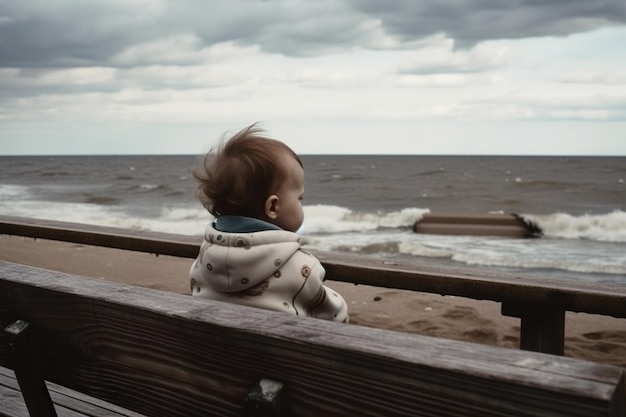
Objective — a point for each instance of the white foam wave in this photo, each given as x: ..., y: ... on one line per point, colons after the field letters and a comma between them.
x: 9, y: 191
x: 588, y: 257
x: 179, y: 220
x: 319, y: 219
x: 609, y: 227
x: 69, y: 212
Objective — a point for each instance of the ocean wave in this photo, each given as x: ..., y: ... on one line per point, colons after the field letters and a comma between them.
x: 536, y: 254
x: 338, y: 178
x: 335, y: 228
x: 178, y: 220
x: 190, y: 221
x: 610, y: 227
x: 320, y: 219
x: 10, y: 191
x: 324, y: 219
x: 61, y: 211
x: 147, y: 188
x: 18, y: 200
x: 150, y: 187
x: 597, y: 260
x: 587, y: 265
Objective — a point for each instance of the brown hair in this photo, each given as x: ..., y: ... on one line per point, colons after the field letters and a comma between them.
x: 239, y: 174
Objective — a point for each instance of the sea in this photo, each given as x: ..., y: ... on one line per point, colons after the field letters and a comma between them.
x: 364, y: 204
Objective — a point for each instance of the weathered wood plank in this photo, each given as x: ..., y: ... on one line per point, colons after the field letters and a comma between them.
x: 11, y: 400
x: 68, y: 403
x: 159, y: 353
x: 136, y: 240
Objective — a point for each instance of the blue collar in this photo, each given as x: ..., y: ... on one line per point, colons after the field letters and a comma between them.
x: 241, y: 224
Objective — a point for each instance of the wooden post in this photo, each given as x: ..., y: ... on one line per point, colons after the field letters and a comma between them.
x: 542, y: 327
x: 26, y: 364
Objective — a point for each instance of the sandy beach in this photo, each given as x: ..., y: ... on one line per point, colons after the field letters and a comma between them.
x: 593, y: 337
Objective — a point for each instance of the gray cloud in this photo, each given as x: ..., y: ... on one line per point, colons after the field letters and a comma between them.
x: 473, y: 21
x: 61, y: 33
x: 292, y: 28
x: 64, y: 33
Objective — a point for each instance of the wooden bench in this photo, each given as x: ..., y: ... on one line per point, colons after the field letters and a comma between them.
x: 163, y: 354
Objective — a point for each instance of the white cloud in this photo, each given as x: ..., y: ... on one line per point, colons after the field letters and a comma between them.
x: 443, y: 58
x: 607, y: 77
x: 178, y: 49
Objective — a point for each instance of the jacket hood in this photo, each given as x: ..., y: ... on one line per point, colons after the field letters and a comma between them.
x: 232, y: 262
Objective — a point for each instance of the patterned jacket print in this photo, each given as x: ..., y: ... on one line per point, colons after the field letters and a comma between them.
x: 254, y: 263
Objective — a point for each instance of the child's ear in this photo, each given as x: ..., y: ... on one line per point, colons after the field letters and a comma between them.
x: 271, y: 206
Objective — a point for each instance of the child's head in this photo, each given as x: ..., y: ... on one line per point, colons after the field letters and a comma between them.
x: 254, y: 176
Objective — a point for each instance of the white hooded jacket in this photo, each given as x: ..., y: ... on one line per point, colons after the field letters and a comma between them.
x: 251, y: 262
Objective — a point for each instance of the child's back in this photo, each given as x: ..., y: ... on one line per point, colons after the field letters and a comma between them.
x: 251, y: 254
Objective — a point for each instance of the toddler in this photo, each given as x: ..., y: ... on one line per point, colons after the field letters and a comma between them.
x: 251, y: 255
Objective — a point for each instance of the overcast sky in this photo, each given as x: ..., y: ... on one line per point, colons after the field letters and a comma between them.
x: 351, y: 76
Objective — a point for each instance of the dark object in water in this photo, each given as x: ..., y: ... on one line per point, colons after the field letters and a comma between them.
x: 533, y: 228
x: 510, y: 225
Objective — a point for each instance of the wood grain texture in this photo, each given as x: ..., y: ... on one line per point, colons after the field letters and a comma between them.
x: 68, y: 403
x: 164, y: 354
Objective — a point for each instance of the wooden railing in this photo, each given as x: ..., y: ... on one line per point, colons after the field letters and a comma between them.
x: 541, y: 303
